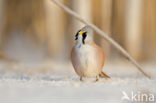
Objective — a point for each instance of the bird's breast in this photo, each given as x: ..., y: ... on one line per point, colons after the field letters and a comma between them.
x: 86, y: 60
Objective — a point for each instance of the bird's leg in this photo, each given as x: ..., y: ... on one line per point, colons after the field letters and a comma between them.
x: 81, y: 78
x: 97, y: 78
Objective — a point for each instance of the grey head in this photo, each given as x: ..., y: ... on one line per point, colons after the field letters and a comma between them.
x: 84, y: 35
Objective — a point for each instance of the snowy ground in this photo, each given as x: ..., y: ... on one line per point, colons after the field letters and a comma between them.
x: 51, y: 82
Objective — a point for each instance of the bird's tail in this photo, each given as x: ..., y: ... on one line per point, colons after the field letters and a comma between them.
x: 103, y: 75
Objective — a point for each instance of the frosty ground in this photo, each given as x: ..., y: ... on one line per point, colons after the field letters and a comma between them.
x: 55, y: 82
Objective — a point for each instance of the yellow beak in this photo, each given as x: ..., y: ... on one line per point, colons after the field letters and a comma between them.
x: 80, y: 32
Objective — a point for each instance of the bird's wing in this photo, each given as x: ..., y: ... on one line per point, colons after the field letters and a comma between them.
x: 100, y: 55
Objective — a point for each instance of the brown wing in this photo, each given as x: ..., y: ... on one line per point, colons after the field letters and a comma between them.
x: 101, y: 60
x: 100, y: 55
x: 73, y: 59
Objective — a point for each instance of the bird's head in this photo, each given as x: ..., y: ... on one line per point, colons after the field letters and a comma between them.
x: 84, y: 35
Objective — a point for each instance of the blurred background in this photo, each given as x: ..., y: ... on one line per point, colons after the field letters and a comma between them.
x: 36, y: 38
x: 38, y: 30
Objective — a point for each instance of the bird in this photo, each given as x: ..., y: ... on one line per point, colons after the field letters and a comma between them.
x: 87, y: 58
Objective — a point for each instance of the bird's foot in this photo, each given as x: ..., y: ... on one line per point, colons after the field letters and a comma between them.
x: 81, y: 79
x: 97, y: 78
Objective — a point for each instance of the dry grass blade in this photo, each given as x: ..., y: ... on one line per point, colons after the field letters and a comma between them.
x: 104, y: 35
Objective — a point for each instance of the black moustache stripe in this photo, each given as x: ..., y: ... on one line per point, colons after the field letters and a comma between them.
x: 84, y: 35
x: 76, y: 36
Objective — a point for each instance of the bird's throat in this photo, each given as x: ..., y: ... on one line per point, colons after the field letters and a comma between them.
x: 78, y: 45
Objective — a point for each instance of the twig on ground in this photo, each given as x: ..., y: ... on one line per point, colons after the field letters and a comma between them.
x: 104, y: 35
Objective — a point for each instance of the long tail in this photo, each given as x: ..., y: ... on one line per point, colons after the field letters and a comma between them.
x: 103, y: 75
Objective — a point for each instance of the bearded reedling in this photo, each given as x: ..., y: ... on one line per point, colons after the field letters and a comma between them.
x: 87, y: 58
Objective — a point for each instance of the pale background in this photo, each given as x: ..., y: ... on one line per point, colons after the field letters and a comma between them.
x: 36, y: 37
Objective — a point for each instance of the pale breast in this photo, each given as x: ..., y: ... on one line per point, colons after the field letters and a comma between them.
x: 86, y: 61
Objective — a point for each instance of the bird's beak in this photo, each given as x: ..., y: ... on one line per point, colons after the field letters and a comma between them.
x: 80, y: 32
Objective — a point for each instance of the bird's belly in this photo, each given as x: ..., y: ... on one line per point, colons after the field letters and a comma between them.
x: 88, y: 69
x: 87, y: 64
